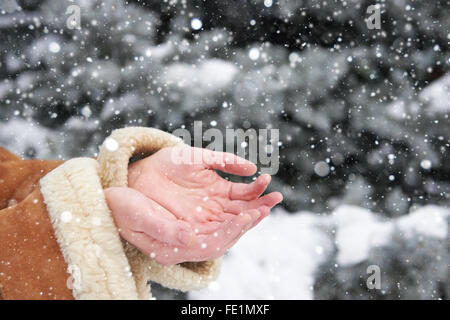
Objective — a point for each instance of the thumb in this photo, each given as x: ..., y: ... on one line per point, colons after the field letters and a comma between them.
x: 134, y: 211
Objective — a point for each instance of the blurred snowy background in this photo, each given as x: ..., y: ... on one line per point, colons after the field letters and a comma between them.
x: 363, y: 118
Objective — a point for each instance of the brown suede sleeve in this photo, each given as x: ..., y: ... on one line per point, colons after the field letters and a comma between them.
x: 5, y: 155
x: 31, y: 263
x: 18, y: 178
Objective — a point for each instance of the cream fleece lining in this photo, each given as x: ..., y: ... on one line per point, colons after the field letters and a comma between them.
x: 86, y: 233
x: 114, y: 157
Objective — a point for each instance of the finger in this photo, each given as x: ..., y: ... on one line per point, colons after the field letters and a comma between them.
x: 234, y: 227
x: 204, y: 220
x: 244, y: 191
x: 203, y: 214
x: 163, y: 253
x: 169, y: 231
x: 228, y: 162
x: 208, y: 246
x: 143, y: 242
x: 241, y: 229
x: 264, y: 212
x: 139, y: 213
x: 268, y: 200
x: 256, y: 217
x: 227, y: 216
x: 211, y: 246
x: 207, y: 228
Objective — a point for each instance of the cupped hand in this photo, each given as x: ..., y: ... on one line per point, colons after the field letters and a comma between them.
x: 177, y: 208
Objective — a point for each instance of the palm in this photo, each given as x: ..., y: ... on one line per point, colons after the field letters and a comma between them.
x: 168, y: 200
x: 193, y: 191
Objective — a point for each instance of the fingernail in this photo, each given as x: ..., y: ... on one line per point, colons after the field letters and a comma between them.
x: 184, y: 236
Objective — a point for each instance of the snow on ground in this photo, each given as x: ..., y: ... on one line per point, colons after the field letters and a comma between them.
x: 279, y: 259
x: 357, y: 230
x: 276, y: 260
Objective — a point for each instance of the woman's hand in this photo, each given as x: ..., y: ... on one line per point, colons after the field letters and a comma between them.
x: 177, y: 208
